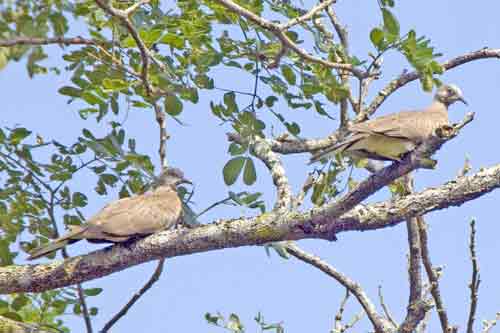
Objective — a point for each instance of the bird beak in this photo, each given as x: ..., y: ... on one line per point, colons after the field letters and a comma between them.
x: 184, y: 181
x: 461, y: 99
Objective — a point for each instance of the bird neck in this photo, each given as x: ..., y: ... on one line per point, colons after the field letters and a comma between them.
x: 165, y: 188
x: 438, y: 105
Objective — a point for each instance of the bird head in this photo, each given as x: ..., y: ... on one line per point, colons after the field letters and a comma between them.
x: 449, y: 94
x: 171, y: 177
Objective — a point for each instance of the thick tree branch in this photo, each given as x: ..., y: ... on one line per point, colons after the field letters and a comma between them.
x: 243, y: 232
x: 46, y: 41
x: 262, y: 150
x: 415, y: 300
x: 416, y: 159
x: 379, y: 323
x: 412, y: 76
x: 294, y: 146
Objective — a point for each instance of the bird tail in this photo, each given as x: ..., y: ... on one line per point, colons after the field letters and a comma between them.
x: 338, y: 147
x: 328, y: 152
x: 58, y: 243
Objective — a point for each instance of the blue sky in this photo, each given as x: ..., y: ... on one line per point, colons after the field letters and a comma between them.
x: 245, y: 280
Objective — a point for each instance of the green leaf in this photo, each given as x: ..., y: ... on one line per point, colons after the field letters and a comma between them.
x: 270, y: 100
x: 289, y: 74
x: 91, y: 98
x: 211, y: 319
x: 234, y: 323
x: 236, y: 149
x: 173, y: 105
x: 377, y: 38
x: 18, y: 135
x: 13, y: 316
x: 249, y: 174
x: 70, y: 91
x: 3, y: 59
x: 92, y: 291
x: 230, y: 101
x: 293, y: 128
x: 19, y: 302
x: 391, y: 24
x: 79, y: 199
x: 114, y: 84
x: 173, y: 40
x: 232, y: 169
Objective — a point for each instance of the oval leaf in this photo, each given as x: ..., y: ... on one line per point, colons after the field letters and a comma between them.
x: 249, y: 175
x: 173, y: 105
x: 391, y: 24
x: 289, y: 74
x: 377, y: 38
x: 232, y: 169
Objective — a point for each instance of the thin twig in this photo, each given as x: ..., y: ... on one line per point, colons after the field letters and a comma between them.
x: 152, y: 280
x: 79, y: 288
x: 343, y: 34
x: 286, y: 42
x: 307, y: 16
x: 406, y: 78
x: 385, y: 308
x: 476, y: 280
x: 489, y: 324
x: 338, y: 317
x: 433, y: 278
x: 145, y: 54
x: 135, y: 6
x: 160, y: 119
x: 379, y: 323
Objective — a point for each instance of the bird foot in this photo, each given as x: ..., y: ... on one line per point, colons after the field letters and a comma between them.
x: 428, y: 163
x: 446, y: 131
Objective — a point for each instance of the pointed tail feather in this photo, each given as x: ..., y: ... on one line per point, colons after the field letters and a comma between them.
x: 57, y: 244
x: 338, y: 147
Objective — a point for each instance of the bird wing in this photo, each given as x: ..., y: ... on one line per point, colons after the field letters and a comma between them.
x: 139, y: 215
x: 414, y: 125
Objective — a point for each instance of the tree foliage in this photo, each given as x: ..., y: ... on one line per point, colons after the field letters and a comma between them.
x: 159, y: 57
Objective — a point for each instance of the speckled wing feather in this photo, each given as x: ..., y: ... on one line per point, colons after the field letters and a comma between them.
x: 413, y: 125
x: 389, y: 137
x: 140, y: 215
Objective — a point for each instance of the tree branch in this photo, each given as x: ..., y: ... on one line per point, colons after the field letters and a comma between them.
x: 289, y: 146
x: 46, y: 41
x: 475, y: 281
x: 433, y: 279
x: 152, y: 280
x: 262, y: 229
x: 379, y: 323
x: 145, y: 54
x: 412, y: 76
x: 307, y: 16
x: 8, y: 325
x: 416, y: 306
x: 286, y: 42
x: 387, y: 313
x: 262, y: 151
